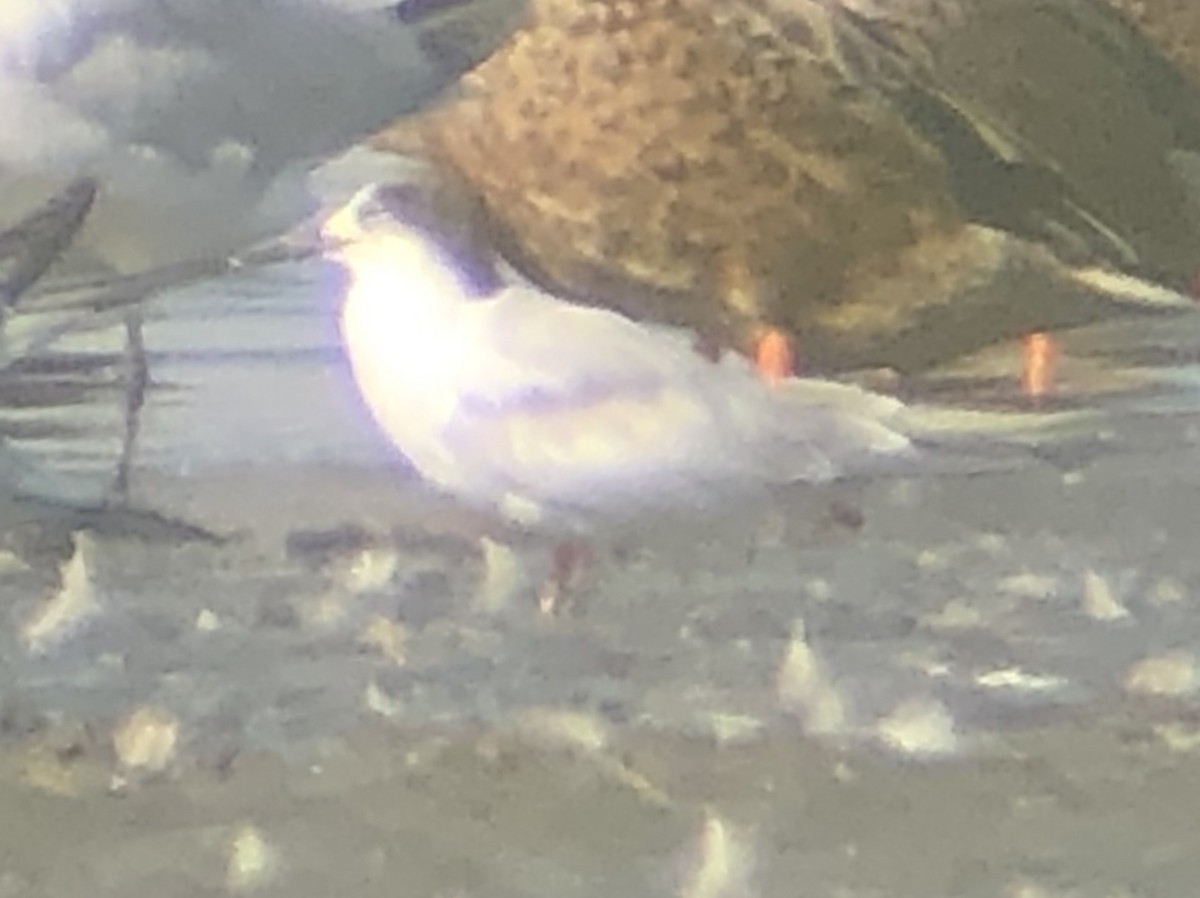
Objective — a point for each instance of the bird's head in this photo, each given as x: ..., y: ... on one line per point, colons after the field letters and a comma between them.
x: 405, y: 226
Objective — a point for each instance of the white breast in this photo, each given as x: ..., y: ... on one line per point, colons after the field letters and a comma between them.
x: 401, y: 327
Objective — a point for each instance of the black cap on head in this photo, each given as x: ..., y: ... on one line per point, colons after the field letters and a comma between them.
x: 459, y: 236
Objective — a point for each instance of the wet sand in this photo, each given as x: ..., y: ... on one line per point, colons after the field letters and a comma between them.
x: 988, y: 688
x: 1092, y: 806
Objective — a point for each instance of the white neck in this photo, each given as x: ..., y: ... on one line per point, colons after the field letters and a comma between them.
x: 400, y: 275
x: 402, y: 327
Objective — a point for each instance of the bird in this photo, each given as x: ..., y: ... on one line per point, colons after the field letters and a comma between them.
x: 200, y: 119
x: 562, y: 420
x: 192, y: 126
x: 1056, y: 120
x: 845, y: 175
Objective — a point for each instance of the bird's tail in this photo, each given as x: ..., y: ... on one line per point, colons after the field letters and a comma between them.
x: 946, y: 437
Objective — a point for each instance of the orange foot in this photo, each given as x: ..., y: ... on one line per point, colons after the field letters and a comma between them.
x: 773, y: 356
x: 1039, y: 357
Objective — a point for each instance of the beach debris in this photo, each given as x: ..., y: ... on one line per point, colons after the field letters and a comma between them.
x: 720, y: 865
x: 504, y: 576
x: 1172, y: 674
x: 919, y: 728
x: 253, y: 862
x: 147, y: 741
x: 370, y: 569
x: 805, y: 688
x: 69, y: 607
x: 385, y: 637
x: 1100, y: 603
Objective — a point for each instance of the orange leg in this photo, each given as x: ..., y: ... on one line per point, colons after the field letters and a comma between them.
x: 1039, y: 356
x: 570, y: 558
x: 741, y: 289
x: 773, y: 356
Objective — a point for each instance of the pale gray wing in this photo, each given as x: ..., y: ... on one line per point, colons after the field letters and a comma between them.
x: 565, y: 404
x: 201, y: 118
x: 288, y: 78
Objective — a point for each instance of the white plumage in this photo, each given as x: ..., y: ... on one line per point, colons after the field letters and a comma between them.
x: 558, y: 415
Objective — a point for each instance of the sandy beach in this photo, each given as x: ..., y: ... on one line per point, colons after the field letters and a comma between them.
x: 987, y: 687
